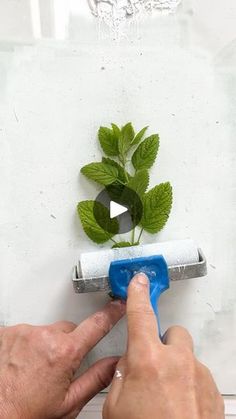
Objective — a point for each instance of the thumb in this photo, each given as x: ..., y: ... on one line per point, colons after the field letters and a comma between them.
x: 94, y: 380
x: 142, y: 322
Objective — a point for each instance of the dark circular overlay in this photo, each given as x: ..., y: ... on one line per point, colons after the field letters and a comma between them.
x: 121, y: 195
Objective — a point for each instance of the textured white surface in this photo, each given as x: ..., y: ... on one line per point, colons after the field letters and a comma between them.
x: 174, y: 73
x: 93, y: 410
x: 175, y: 252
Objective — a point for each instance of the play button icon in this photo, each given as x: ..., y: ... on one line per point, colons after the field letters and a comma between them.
x: 121, y: 204
x: 116, y: 209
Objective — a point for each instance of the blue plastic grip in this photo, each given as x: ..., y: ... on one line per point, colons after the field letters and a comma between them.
x: 155, y: 267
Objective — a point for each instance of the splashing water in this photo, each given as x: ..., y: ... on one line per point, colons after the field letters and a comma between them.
x: 116, y: 12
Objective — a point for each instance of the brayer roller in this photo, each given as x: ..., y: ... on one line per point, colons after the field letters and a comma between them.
x: 111, y: 270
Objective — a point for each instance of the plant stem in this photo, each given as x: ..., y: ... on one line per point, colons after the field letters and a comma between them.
x: 113, y: 240
x: 123, y: 162
x: 120, y: 181
x: 126, y: 177
x: 133, y: 236
x: 140, y: 234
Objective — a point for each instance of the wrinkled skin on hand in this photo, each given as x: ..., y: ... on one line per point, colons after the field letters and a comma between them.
x: 154, y: 380
x: 37, y: 366
x: 159, y: 380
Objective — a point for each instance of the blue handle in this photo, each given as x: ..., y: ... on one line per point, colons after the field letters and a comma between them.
x: 155, y: 267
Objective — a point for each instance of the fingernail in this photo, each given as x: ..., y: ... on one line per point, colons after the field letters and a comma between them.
x: 141, y: 279
x: 118, y: 302
x: 121, y: 304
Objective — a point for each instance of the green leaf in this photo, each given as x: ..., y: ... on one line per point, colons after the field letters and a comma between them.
x: 116, y: 131
x: 108, y: 141
x: 121, y: 171
x: 139, y: 183
x: 156, y: 207
x: 102, y: 173
x: 145, y: 155
x: 126, y: 138
x: 90, y: 226
x: 139, y: 136
x: 121, y: 244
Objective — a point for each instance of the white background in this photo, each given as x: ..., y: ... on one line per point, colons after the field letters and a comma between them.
x: 174, y: 73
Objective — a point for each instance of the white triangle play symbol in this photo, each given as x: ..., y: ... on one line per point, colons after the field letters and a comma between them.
x: 116, y: 209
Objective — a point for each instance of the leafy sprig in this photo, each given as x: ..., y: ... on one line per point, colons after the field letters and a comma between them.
x: 125, y: 150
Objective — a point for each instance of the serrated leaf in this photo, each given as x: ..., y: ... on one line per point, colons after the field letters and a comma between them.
x: 121, y: 244
x: 116, y: 131
x: 145, y: 155
x: 138, y: 137
x: 102, y: 173
x: 108, y: 141
x: 90, y: 226
x: 156, y: 207
x: 126, y: 138
x: 115, y: 191
x: 139, y: 183
x: 121, y: 171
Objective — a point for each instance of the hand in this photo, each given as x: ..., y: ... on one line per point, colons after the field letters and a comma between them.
x: 37, y: 366
x: 155, y: 380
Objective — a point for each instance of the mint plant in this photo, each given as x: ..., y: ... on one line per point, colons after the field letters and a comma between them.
x: 128, y: 158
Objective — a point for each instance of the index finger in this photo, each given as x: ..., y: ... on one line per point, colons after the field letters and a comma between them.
x: 93, y: 329
x: 142, y: 322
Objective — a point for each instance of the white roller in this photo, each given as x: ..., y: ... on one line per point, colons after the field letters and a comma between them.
x: 178, y: 252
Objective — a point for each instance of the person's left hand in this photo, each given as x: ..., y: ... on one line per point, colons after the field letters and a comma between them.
x: 37, y: 366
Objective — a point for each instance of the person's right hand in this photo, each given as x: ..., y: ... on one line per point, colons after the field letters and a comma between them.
x: 156, y: 380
